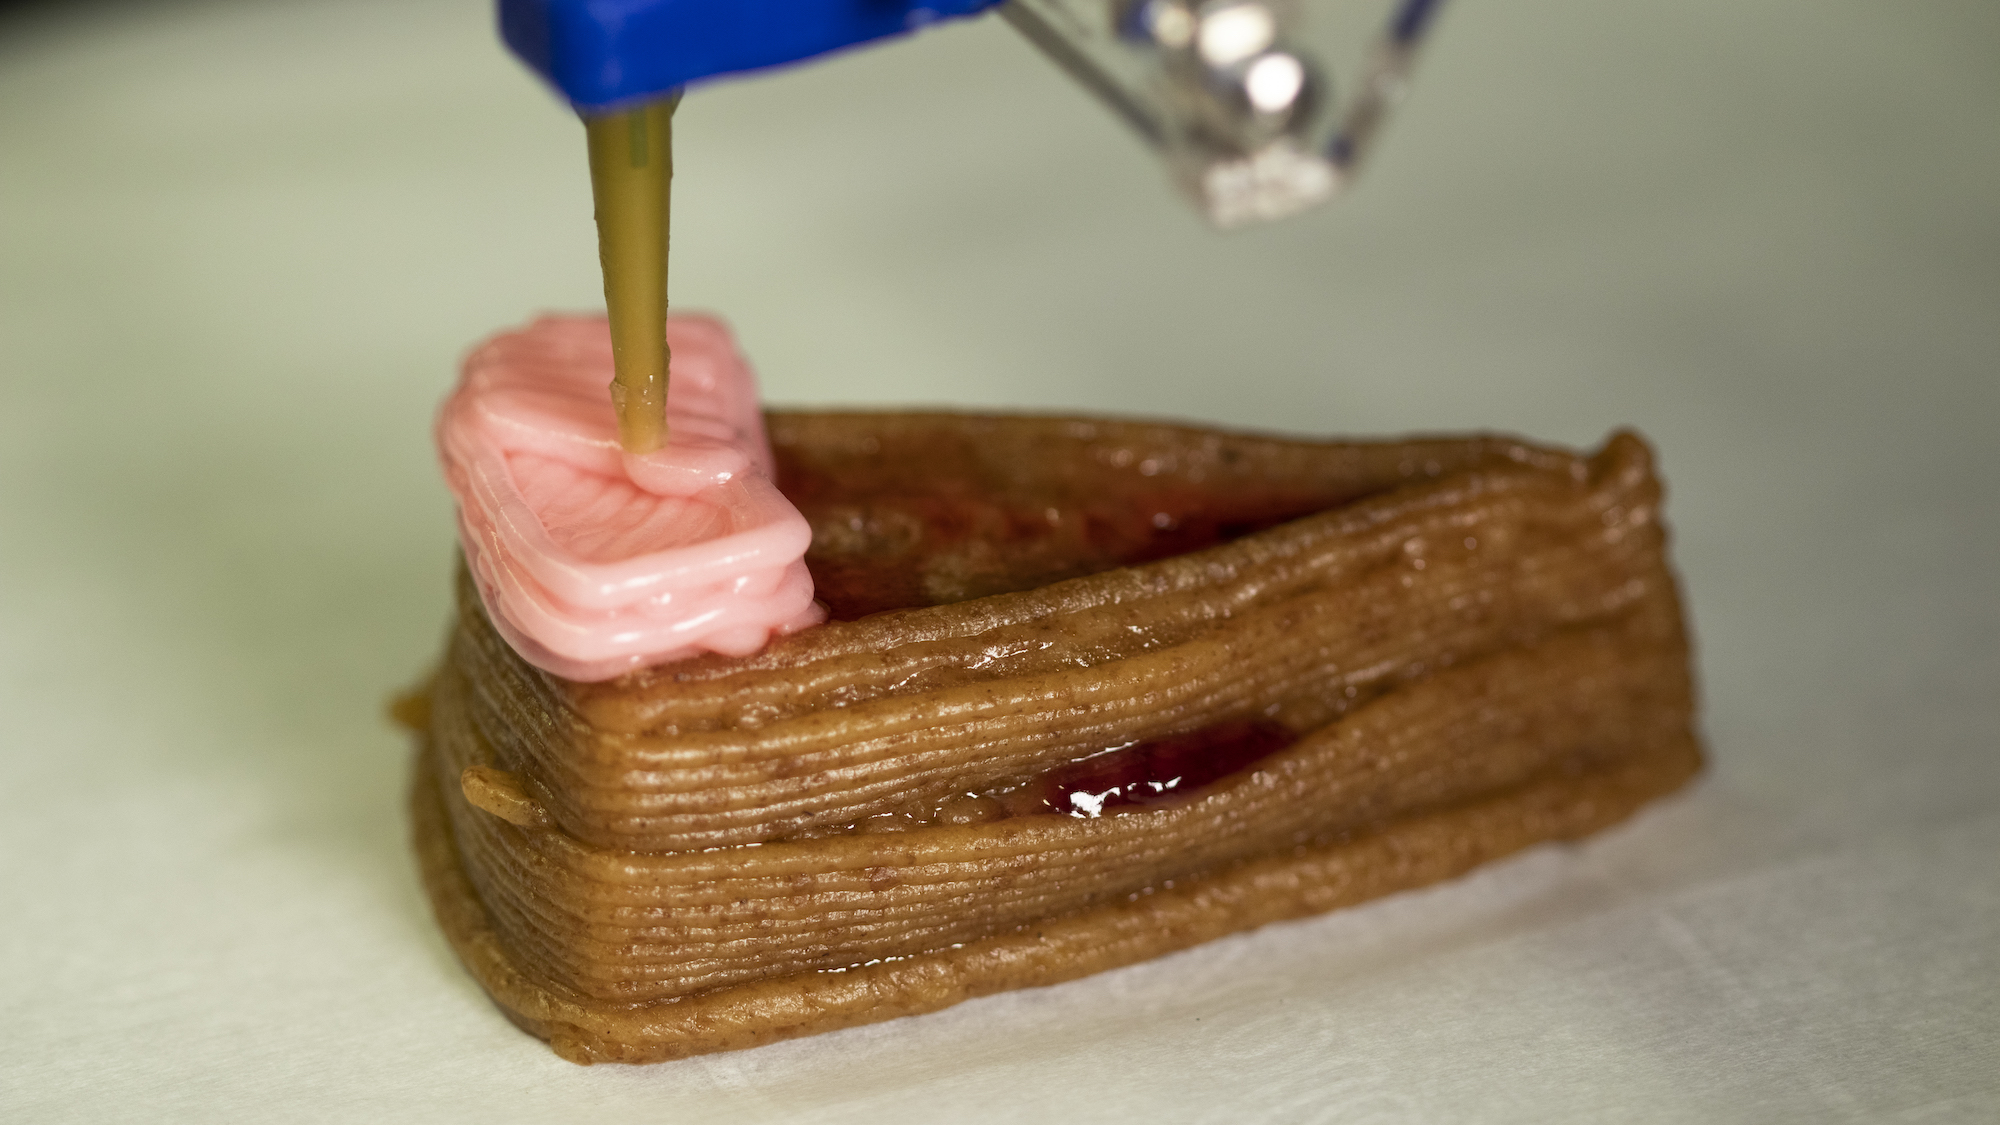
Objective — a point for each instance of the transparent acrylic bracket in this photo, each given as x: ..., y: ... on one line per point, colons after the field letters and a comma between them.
x: 1237, y: 95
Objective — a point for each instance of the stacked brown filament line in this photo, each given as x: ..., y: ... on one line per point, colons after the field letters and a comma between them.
x: 1467, y: 646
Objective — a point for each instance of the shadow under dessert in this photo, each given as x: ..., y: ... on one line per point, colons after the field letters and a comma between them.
x: 1092, y: 691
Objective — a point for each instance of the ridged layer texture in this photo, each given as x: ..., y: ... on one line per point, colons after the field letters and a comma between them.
x: 1477, y: 643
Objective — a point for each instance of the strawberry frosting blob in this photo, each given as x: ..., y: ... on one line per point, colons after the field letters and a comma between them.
x: 592, y: 562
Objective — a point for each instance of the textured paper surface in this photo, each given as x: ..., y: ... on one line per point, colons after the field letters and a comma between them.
x: 242, y: 245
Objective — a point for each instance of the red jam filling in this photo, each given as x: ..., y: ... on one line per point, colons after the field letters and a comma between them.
x: 933, y: 521
x: 1149, y: 773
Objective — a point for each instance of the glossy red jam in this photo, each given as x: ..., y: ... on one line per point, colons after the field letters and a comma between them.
x: 1149, y: 773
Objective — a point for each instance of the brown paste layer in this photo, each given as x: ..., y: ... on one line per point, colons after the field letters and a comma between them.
x: 1458, y: 649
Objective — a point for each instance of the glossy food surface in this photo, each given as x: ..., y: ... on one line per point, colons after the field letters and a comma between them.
x: 926, y: 509
x: 1149, y: 773
x: 1476, y: 644
x: 592, y: 561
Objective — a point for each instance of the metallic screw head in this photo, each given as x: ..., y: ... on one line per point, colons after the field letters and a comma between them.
x: 1230, y: 33
x: 1274, y: 82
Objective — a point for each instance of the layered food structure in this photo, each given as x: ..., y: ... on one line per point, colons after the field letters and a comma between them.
x: 1089, y: 691
x: 594, y: 561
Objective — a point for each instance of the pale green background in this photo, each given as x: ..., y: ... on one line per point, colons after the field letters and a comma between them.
x: 243, y: 243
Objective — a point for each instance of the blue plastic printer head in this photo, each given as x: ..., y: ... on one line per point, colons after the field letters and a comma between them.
x: 604, y: 53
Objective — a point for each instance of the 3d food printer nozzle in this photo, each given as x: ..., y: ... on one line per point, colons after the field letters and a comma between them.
x: 1246, y: 120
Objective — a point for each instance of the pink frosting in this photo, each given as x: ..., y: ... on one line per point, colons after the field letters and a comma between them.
x: 592, y: 562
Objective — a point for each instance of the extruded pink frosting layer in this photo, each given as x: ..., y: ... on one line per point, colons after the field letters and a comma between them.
x: 592, y: 562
